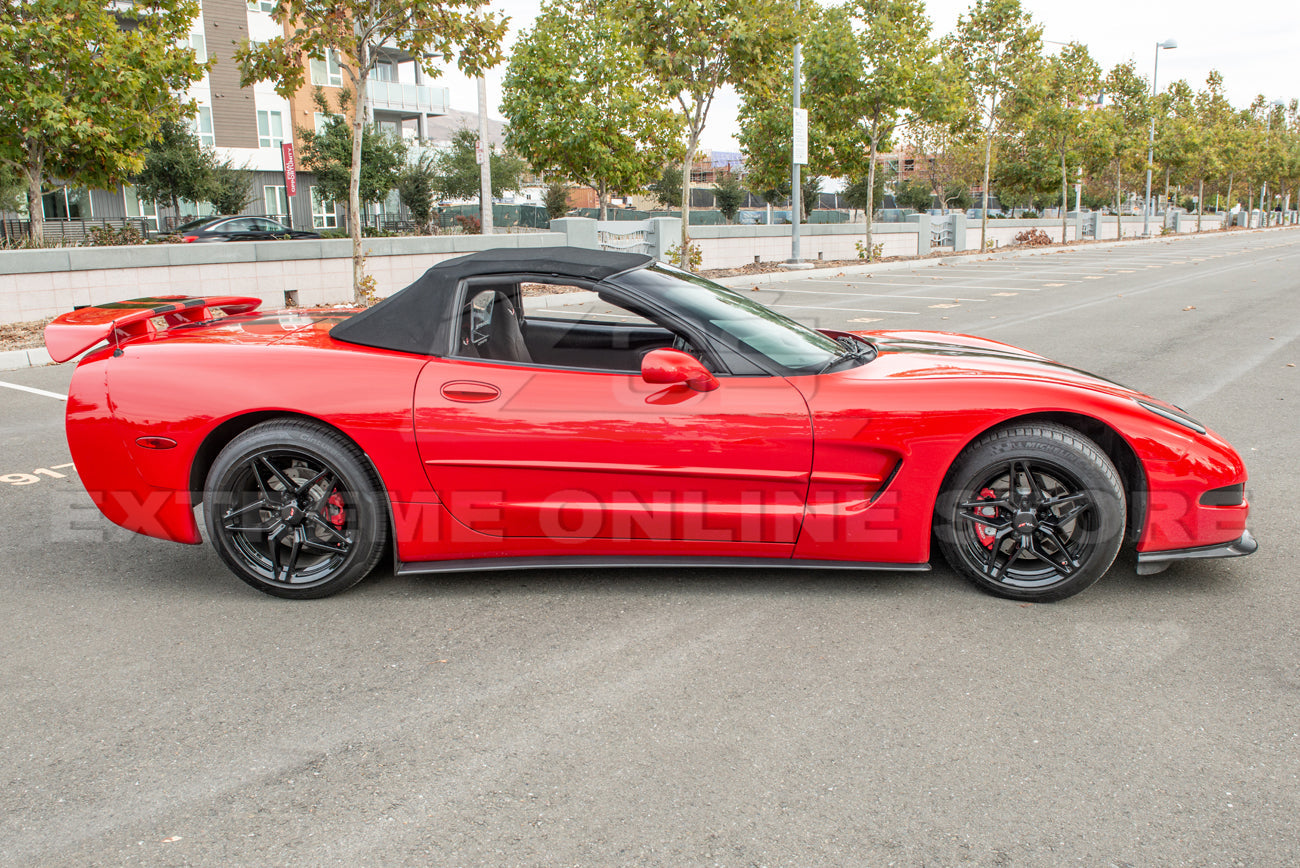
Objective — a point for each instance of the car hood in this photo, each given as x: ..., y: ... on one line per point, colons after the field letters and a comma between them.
x: 923, y: 355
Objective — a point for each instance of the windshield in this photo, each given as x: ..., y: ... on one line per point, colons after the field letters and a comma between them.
x: 739, y: 321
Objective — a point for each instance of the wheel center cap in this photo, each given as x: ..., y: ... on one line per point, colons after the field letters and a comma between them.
x: 1025, y: 521
x: 291, y: 515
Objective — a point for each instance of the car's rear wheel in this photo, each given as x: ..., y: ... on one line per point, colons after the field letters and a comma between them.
x: 294, y: 510
x: 1031, y: 512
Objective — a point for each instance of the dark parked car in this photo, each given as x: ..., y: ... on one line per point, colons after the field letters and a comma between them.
x: 238, y: 229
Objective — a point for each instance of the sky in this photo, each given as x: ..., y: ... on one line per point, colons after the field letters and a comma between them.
x: 1254, y: 45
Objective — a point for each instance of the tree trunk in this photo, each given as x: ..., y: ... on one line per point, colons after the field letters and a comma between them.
x: 692, y: 143
x: 1065, y: 197
x: 360, y: 290
x: 1119, y: 214
x: 602, y: 196
x: 1200, y: 203
x: 35, y: 208
x: 1227, y: 200
x: 871, y: 196
x: 988, y: 161
x: 1250, y: 206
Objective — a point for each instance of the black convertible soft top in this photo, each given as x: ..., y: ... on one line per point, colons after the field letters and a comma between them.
x: 419, y: 318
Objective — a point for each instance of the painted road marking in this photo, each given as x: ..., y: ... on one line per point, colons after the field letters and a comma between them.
x: 41, y: 392
x: 866, y: 319
x: 1005, y: 294
x: 849, y: 309
x: 1053, y: 284
x: 35, y: 476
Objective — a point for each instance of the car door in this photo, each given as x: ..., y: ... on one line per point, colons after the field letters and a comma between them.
x: 524, y: 449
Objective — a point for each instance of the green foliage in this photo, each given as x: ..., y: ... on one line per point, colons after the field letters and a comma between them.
x: 415, y: 186
x: 690, y: 262
x: 556, y: 199
x: 913, y: 194
x: 998, y: 49
x: 107, y: 236
x: 581, y: 107
x: 728, y: 195
x: 230, y: 189
x: 870, y: 64
x: 692, y: 48
x: 328, y: 155
x: 458, y: 170
x: 87, y: 116
x: 871, y: 254
x: 176, y: 167
x: 430, y: 30
x: 668, y: 189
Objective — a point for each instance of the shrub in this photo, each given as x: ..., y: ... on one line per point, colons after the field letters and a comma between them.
x: 1033, y: 238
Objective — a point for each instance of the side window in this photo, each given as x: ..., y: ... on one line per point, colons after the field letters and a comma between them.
x: 561, y: 326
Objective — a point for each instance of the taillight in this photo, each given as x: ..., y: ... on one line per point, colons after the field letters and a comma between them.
x: 188, y: 238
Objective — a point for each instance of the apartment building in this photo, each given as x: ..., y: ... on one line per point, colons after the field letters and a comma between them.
x: 247, y: 125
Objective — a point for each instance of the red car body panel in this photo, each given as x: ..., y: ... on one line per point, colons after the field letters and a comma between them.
x: 485, y: 460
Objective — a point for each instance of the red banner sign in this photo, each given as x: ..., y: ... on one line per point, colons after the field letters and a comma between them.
x: 290, y: 169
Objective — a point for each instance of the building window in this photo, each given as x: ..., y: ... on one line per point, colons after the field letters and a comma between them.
x: 64, y: 203
x: 270, y: 130
x: 327, y: 72
x: 277, y: 202
x: 324, y: 214
x: 137, y: 208
x: 200, y: 45
x: 384, y: 72
x: 267, y: 6
x: 203, y: 127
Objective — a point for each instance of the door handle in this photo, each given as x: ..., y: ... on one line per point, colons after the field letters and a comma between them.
x: 468, y: 392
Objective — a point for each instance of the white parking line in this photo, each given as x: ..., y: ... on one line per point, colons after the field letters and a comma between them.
x: 34, y: 391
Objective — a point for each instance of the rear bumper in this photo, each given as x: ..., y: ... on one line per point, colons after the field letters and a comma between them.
x: 1150, y: 563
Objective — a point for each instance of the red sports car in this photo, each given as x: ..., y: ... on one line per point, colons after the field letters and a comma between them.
x: 563, y: 407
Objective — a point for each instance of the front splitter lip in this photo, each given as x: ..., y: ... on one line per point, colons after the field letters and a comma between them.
x: 1150, y: 563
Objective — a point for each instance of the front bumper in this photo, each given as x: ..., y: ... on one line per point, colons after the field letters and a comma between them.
x: 1150, y: 563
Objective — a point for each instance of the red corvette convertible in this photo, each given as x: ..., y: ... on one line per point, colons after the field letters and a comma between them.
x: 564, y: 407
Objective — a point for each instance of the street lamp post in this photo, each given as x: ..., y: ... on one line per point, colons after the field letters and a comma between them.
x: 1151, y: 137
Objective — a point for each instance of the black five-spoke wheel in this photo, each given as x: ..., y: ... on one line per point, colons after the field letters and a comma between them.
x: 1032, y: 513
x: 292, y: 508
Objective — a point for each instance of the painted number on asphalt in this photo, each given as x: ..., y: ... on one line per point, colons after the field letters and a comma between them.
x: 36, y: 475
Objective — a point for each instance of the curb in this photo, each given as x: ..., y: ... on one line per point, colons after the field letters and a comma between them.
x: 13, y: 360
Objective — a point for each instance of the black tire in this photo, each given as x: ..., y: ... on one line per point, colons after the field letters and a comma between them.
x: 1045, y: 536
x: 295, y: 510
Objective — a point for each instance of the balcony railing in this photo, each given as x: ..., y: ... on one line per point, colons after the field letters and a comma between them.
x: 393, y: 96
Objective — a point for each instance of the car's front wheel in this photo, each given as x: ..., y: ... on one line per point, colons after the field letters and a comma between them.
x: 294, y: 510
x: 1031, y: 512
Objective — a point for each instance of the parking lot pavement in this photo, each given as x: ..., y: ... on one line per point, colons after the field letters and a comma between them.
x: 158, y: 712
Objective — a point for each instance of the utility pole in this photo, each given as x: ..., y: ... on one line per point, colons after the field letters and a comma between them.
x: 483, y: 155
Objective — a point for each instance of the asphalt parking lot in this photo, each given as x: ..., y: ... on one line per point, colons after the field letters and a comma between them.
x: 157, y: 711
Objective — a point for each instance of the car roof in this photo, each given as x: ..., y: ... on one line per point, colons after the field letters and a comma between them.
x: 418, y: 318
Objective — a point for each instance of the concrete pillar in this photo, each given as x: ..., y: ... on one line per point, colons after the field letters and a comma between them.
x: 664, y: 233
x: 958, y: 219
x: 922, y: 224
x: 578, y: 231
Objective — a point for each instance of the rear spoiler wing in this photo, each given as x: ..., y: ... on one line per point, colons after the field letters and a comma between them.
x: 74, y: 333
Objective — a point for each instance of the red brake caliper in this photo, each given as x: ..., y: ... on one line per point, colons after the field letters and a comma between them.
x: 334, y: 510
x: 986, y: 536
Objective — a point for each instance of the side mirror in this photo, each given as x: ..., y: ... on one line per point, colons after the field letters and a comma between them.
x: 668, y: 367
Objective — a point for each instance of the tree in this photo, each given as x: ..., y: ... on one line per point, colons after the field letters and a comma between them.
x: 729, y: 194
x: 556, y: 199
x: 231, y: 188
x: 914, y: 194
x: 458, y: 170
x: 415, y: 186
x: 946, y: 157
x: 84, y: 86
x: 996, y: 45
x: 581, y: 107
x: 176, y: 166
x: 1117, y: 134
x: 668, y: 189
x: 693, y: 48
x: 1071, y: 86
x: 355, y: 29
x: 328, y: 154
x: 869, y: 63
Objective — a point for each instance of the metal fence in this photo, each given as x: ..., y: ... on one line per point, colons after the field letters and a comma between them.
x: 70, y: 232
x: 628, y: 237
